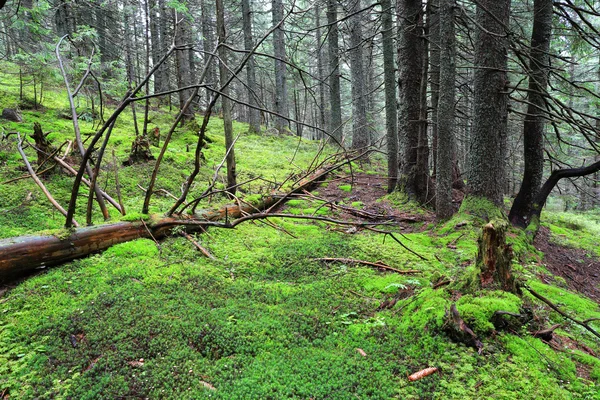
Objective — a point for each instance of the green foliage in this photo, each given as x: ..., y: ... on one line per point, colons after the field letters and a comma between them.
x: 267, y: 319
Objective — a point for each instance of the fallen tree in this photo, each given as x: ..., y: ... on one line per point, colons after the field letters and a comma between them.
x: 27, y: 253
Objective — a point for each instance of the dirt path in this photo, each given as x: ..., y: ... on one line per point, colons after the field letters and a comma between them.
x: 369, y: 190
x: 581, y: 273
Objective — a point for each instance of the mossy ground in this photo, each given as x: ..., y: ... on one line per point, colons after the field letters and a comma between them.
x: 266, y: 320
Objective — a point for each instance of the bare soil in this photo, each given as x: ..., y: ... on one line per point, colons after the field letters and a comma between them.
x: 368, y: 189
x: 581, y: 272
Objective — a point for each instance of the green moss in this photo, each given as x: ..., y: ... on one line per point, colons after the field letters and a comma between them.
x: 481, y: 208
x: 134, y: 216
x: 477, y: 309
x: 345, y: 188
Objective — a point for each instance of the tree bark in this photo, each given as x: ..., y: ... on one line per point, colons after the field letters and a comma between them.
x: 433, y: 15
x: 360, y: 132
x: 335, y: 127
x: 410, y: 66
x: 253, y: 113
x: 445, y: 119
x: 488, y: 146
x: 533, y: 127
x: 322, y: 108
x: 225, y: 102
x: 208, y: 45
x: 281, y: 103
x: 184, y: 77
x: 494, y: 258
x: 391, y: 112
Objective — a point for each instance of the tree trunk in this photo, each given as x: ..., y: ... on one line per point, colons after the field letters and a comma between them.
x: 281, y: 103
x: 433, y: 16
x: 533, y: 127
x: 165, y: 42
x: 320, y: 72
x: 445, y: 119
x: 488, y: 146
x: 410, y: 60
x: 253, y: 113
x: 335, y: 127
x: 360, y: 132
x: 389, y: 80
x: 184, y: 77
x: 225, y: 102
x: 155, y: 38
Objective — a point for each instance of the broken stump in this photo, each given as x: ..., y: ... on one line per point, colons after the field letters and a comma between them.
x: 494, y: 258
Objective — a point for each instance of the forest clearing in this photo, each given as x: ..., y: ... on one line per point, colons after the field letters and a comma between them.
x: 299, y: 200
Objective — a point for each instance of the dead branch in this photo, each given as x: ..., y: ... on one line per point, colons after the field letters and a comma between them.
x: 565, y: 315
x: 37, y: 180
x: 198, y: 246
x: 369, y: 263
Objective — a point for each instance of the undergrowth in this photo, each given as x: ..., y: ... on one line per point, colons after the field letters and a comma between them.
x: 268, y: 319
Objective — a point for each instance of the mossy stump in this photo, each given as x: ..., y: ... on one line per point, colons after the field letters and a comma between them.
x: 494, y: 258
x: 140, y: 151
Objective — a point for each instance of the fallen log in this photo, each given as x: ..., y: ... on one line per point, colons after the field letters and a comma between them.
x: 27, y: 253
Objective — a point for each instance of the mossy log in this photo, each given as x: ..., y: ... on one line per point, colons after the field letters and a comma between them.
x: 494, y: 258
x: 26, y: 253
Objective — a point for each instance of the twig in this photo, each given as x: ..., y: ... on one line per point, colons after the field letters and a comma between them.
x: 151, y: 235
x: 369, y: 263
x: 37, y: 180
x: 117, y: 184
x: 198, y: 246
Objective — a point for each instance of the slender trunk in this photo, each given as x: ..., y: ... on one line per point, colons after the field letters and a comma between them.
x: 253, y: 114
x: 335, y: 128
x: 155, y: 38
x: 225, y: 102
x: 433, y: 18
x: 445, y: 111
x: 281, y: 106
x: 320, y: 122
x: 208, y: 44
x: 533, y: 127
x: 360, y: 133
x: 183, y: 65
x: 389, y: 80
x: 129, y: 66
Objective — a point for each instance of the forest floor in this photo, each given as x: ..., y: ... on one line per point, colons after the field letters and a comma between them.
x: 580, y: 271
x: 286, y: 309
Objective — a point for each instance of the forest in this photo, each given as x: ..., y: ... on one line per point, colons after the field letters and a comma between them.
x: 300, y: 199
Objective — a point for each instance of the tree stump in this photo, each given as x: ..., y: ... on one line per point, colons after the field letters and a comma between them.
x: 43, y: 147
x: 494, y: 258
x: 140, y: 151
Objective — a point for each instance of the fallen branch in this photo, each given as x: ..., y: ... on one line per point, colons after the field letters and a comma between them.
x: 38, y: 181
x: 558, y: 310
x: 198, y: 246
x: 371, y: 264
